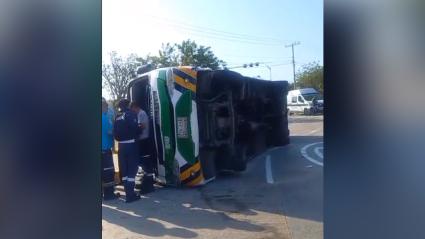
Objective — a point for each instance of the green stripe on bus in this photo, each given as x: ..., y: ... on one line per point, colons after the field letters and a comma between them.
x: 184, y: 140
x: 166, y: 127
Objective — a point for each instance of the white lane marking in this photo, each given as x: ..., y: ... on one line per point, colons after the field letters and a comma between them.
x: 268, y: 151
x: 269, y: 176
x: 313, y: 131
x: 317, y: 151
x: 305, y: 155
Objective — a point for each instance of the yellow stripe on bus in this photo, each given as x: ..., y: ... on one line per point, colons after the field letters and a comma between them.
x: 194, y: 168
x: 188, y: 71
x: 185, y: 84
x: 196, y: 181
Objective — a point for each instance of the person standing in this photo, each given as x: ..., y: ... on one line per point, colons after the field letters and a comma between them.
x: 108, y: 170
x: 126, y: 132
x: 145, y: 149
x: 110, y: 111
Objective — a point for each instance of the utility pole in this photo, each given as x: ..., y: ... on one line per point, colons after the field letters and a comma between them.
x: 270, y: 71
x: 293, y: 56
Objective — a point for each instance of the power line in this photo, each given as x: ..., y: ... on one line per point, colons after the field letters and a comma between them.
x: 215, y: 31
x: 202, y: 31
x: 258, y: 57
x: 213, y: 36
x: 257, y: 64
x: 234, y: 40
x: 219, y: 37
x: 283, y: 64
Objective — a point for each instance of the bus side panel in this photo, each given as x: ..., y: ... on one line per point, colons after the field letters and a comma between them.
x: 186, y: 130
x: 155, y: 105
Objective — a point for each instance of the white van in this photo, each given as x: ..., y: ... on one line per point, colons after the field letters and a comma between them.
x: 307, y: 101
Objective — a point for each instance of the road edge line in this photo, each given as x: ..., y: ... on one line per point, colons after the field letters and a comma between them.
x: 269, y: 176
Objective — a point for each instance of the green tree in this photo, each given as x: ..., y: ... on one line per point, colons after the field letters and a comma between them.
x: 121, y: 70
x: 118, y: 73
x: 167, y: 56
x: 187, y: 53
x: 310, y: 76
x: 190, y: 54
x: 290, y: 85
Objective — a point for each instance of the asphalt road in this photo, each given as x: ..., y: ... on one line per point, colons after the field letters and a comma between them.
x: 280, y: 195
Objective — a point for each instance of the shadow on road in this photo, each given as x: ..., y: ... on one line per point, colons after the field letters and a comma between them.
x: 143, y: 225
x: 297, y: 192
x: 299, y: 180
x: 170, y: 211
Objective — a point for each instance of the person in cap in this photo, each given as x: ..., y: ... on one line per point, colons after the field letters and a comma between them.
x: 126, y: 132
x: 145, y: 150
x: 108, y: 170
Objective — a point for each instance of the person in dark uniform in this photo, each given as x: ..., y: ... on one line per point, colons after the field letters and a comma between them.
x: 108, y: 170
x: 145, y: 150
x: 126, y: 132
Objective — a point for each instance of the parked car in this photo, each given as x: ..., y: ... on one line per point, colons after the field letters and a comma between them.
x: 307, y: 101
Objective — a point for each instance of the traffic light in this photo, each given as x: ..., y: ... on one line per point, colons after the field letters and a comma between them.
x: 251, y: 64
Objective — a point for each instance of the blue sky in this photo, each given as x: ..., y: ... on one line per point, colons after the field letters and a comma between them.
x: 141, y: 26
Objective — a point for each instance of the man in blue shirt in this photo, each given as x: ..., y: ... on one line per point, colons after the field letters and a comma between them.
x: 107, y: 161
x: 126, y: 132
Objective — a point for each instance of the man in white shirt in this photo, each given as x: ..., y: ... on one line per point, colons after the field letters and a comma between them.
x: 146, y: 147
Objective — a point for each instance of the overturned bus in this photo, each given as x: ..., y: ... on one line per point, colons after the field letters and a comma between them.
x: 206, y: 121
